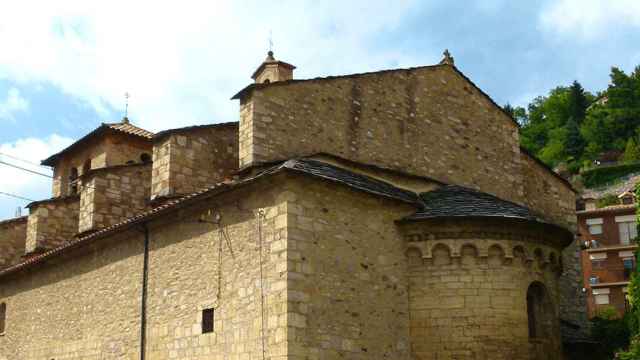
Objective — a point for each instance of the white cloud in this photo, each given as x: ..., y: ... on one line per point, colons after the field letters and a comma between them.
x: 14, y: 102
x: 182, y: 61
x: 20, y: 182
x: 589, y: 19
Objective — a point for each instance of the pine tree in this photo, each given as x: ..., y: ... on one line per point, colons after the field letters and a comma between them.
x: 578, y: 102
x: 574, y: 144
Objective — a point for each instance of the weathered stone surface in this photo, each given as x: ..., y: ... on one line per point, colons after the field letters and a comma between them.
x: 52, y: 223
x: 87, y: 304
x: 468, y: 285
x: 188, y: 160
x: 110, y: 195
x: 13, y: 234
x: 303, y: 264
x: 110, y: 150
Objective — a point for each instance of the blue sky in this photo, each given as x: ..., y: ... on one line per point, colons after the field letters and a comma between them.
x: 64, y: 69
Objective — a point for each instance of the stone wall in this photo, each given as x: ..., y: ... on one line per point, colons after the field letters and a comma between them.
x: 468, y: 291
x: 348, y: 296
x: 110, y: 150
x: 95, y: 291
x: 427, y: 121
x: 110, y: 195
x: 547, y: 195
x: 13, y: 235
x: 189, y: 160
x: 51, y: 223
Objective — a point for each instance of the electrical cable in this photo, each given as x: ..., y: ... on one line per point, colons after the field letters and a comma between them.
x: 16, y: 196
x: 24, y: 160
x: 25, y: 169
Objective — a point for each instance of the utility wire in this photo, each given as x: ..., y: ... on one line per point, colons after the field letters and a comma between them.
x: 25, y: 169
x: 16, y: 196
x: 23, y: 160
x: 38, y: 173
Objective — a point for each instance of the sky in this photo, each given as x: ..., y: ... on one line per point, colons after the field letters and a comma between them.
x: 66, y: 65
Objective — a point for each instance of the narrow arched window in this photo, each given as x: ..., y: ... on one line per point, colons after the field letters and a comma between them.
x: 73, y: 181
x: 3, y: 317
x: 145, y: 158
x: 540, y: 313
x: 86, y: 166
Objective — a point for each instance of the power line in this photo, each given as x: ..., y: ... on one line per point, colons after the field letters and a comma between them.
x: 16, y: 196
x: 23, y: 160
x: 38, y: 173
x: 25, y: 169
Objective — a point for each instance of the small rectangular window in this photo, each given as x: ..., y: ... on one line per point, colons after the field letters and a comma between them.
x: 3, y: 317
x: 595, y: 229
x: 207, y: 320
x: 598, y: 264
x: 628, y: 232
x: 602, y: 299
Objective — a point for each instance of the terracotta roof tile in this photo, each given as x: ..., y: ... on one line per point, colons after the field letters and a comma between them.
x: 127, y: 128
x: 122, y: 127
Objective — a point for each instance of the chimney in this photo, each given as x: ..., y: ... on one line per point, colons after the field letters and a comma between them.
x: 272, y: 70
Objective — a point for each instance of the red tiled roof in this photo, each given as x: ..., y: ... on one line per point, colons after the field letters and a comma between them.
x: 122, y: 127
x: 127, y: 128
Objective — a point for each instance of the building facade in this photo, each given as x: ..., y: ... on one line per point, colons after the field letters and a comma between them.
x: 608, y: 234
x: 386, y: 215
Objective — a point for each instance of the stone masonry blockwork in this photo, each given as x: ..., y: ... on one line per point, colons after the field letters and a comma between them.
x: 52, y: 223
x: 13, y: 235
x: 192, y: 159
x: 111, y: 195
x: 427, y: 121
x: 96, y: 292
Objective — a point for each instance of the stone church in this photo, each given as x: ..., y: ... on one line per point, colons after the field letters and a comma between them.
x: 383, y: 215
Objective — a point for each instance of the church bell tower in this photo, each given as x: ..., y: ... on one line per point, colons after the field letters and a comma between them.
x: 272, y: 70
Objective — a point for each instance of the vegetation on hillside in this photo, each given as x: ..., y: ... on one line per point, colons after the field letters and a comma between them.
x: 574, y: 128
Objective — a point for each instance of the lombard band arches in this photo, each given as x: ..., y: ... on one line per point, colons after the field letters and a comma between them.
x: 441, y: 254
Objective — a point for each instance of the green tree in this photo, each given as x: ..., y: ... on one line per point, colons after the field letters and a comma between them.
x: 518, y: 113
x: 577, y: 102
x: 574, y: 143
x: 631, y: 152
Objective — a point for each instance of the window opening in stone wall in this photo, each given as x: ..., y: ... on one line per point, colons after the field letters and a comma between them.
x: 145, y: 158
x: 266, y: 81
x: 86, y: 167
x: 73, y: 181
x: 207, y: 320
x: 539, y: 312
x: 3, y: 317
